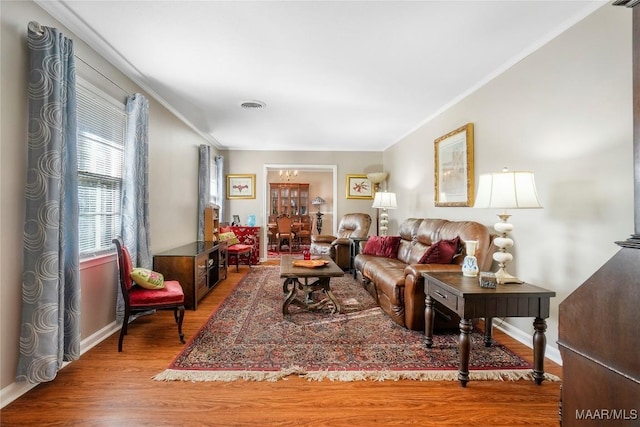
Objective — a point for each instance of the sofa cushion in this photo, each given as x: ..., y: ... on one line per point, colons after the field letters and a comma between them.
x: 386, y: 246
x: 441, y: 252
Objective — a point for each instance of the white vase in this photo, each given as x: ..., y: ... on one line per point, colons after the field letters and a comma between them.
x: 470, y: 263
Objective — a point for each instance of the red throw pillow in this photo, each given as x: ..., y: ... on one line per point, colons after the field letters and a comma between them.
x: 386, y: 246
x: 224, y: 229
x: 441, y: 252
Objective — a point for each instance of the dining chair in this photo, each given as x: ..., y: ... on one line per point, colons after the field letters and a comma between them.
x: 303, y: 236
x: 139, y: 299
x: 285, y: 232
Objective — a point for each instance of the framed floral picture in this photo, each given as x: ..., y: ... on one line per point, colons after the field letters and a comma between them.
x: 454, y: 168
x: 241, y: 186
x: 359, y: 187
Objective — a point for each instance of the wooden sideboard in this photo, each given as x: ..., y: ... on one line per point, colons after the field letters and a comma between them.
x: 198, y: 266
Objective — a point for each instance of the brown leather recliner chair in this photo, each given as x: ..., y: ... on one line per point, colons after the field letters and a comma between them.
x: 339, y: 247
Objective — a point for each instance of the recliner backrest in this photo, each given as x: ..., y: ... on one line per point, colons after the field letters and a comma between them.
x: 354, y: 225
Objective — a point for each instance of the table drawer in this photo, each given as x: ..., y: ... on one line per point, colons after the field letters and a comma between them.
x: 443, y: 296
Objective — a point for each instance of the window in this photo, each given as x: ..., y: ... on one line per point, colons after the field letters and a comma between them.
x: 101, y: 133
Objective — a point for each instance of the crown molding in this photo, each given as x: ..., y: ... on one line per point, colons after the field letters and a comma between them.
x: 60, y: 11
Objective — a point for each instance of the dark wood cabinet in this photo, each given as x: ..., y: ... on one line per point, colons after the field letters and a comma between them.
x: 289, y: 199
x: 198, y: 266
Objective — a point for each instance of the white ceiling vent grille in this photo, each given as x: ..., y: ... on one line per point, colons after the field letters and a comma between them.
x: 252, y: 105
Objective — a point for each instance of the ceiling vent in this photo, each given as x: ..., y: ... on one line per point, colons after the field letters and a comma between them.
x: 252, y: 105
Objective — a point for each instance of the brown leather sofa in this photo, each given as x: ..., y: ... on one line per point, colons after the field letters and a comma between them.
x: 397, y: 283
x: 339, y: 247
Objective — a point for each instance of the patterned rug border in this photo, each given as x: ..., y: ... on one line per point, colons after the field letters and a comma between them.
x: 435, y: 374
x: 345, y: 376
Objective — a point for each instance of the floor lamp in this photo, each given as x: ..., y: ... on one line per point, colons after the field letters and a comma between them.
x: 506, y: 190
x: 376, y: 179
x: 318, y: 201
x: 384, y: 201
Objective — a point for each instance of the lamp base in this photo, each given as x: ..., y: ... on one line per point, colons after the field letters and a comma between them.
x: 504, y: 278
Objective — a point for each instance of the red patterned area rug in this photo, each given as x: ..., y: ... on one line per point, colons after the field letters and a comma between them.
x: 248, y: 338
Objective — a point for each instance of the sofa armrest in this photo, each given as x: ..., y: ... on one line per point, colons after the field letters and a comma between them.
x: 322, y: 238
x: 414, y: 291
x: 341, y: 241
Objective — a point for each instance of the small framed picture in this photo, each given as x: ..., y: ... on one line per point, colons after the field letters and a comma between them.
x: 359, y: 187
x: 236, y: 220
x: 241, y: 186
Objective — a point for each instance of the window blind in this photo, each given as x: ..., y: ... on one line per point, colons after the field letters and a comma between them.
x: 101, y: 133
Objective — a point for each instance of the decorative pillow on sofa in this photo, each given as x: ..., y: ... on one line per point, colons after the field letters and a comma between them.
x: 225, y: 229
x: 441, y: 252
x: 147, y: 279
x: 229, y: 237
x: 386, y: 246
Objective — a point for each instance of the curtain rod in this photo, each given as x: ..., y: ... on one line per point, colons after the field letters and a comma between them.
x: 126, y: 92
x: 38, y: 29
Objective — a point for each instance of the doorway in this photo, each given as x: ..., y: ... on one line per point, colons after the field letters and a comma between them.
x: 306, y: 173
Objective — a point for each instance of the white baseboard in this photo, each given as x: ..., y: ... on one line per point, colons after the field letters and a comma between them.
x: 16, y: 389
x: 527, y: 339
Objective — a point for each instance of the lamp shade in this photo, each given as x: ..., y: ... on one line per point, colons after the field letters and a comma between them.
x: 507, y: 190
x: 384, y: 200
x: 318, y: 201
x: 377, y: 177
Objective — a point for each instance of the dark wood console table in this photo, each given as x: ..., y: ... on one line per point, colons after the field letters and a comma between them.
x: 464, y: 296
x: 198, y: 266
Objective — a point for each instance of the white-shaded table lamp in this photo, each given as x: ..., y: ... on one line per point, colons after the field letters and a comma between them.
x: 506, y: 190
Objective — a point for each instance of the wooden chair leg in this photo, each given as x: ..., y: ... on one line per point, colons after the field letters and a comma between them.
x: 179, y: 314
x: 123, y: 330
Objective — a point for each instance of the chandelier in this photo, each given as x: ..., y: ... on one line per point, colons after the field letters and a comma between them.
x: 287, y: 175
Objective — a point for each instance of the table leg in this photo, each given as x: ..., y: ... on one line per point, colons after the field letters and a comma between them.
x: 488, y: 331
x: 429, y: 316
x: 539, y: 346
x: 324, y: 283
x: 290, y: 296
x: 466, y: 326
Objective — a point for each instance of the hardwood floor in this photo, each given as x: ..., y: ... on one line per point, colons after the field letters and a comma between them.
x: 107, y: 388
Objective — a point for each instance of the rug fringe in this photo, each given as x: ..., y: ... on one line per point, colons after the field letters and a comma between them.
x: 272, y: 376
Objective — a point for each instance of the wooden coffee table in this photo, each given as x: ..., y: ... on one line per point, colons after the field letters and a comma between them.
x: 298, y: 278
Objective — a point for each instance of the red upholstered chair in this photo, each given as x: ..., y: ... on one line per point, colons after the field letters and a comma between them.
x: 138, y: 299
x: 234, y: 252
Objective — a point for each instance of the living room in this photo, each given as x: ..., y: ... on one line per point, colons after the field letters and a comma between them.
x: 562, y: 111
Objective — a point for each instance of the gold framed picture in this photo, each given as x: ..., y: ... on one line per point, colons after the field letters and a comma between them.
x: 359, y: 187
x: 454, y: 168
x: 241, y: 186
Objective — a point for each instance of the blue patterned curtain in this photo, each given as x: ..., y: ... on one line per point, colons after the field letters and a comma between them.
x: 135, y: 188
x: 50, y: 332
x: 221, y: 190
x: 204, y: 184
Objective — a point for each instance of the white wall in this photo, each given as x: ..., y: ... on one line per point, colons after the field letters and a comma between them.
x: 564, y: 112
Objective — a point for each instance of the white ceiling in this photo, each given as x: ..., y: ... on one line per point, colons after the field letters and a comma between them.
x: 335, y: 75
